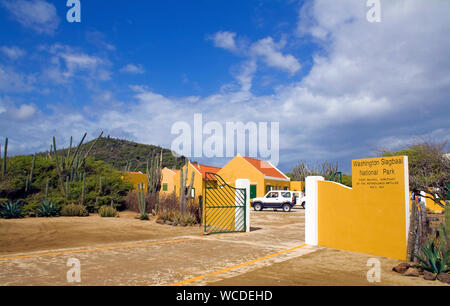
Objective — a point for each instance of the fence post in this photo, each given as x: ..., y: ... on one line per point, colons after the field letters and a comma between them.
x: 311, y: 215
x: 244, y: 184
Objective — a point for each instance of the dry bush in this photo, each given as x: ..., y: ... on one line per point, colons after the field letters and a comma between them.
x: 169, y: 205
x: 132, y: 203
x: 169, y: 209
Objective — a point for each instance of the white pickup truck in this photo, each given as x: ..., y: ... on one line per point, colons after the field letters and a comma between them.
x: 284, y: 199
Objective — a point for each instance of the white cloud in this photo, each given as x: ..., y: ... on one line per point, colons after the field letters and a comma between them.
x: 271, y: 55
x: 25, y: 111
x: 38, y: 15
x: 265, y: 49
x: 67, y: 62
x: 225, y: 40
x: 12, y: 52
x: 13, y: 81
x: 133, y: 69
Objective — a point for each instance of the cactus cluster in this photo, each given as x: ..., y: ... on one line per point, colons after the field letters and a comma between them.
x: 69, y: 166
x: 185, y: 190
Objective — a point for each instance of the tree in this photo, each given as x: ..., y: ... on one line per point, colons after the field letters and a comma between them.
x: 429, y: 169
x: 325, y: 169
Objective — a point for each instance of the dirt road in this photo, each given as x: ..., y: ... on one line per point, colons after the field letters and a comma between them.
x: 126, y: 251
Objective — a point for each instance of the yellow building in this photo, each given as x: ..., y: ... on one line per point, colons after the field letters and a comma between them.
x: 168, y: 183
x: 198, y: 186
x: 297, y: 186
x: 263, y: 175
x: 135, y: 178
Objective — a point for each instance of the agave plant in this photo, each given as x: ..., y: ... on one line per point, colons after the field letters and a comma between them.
x: 436, y: 260
x: 47, y: 209
x: 11, y: 210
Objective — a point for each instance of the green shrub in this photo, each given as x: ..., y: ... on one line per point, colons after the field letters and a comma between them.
x: 13, y: 186
x: 107, y: 212
x: 436, y: 258
x: 144, y: 216
x: 189, y: 219
x: 74, y: 210
x: 11, y: 210
x: 47, y: 209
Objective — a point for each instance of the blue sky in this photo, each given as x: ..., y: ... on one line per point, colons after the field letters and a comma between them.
x: 341, y: 87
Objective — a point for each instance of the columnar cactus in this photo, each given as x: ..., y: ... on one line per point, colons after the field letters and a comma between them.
x: 154, y: 177
x: 46, y: 189
x: 29, y: 180
x: 185, y: 190
x: 83, y: 189
x: 447, y: 222
x: 5, y: 156
x: 142, y: 202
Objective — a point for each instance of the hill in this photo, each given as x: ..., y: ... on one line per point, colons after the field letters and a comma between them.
x: 126, y: 155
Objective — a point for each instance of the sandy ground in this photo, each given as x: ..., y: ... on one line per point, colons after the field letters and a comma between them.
x: 126, y: 251
x: 325, y: 267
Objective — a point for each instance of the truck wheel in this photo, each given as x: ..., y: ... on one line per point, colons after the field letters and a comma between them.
x: 258, y: 206
x: 287, y: 208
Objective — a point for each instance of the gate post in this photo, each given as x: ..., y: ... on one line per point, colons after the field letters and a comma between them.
x: 245, y: 184
x: 311, y: 215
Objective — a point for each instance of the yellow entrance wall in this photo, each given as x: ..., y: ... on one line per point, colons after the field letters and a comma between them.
x: 239, y: 168
x: 370, y: 218
x: 297, y: 186
x: 135, y: 178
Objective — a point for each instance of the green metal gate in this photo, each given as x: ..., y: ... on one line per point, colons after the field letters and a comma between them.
x: 224, y: 206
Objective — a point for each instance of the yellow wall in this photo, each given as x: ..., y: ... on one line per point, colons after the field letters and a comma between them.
x: 239, y: 168
x: 297, y: 186
x: 277, y: 185
x: 431, y: 205
x: 371, y: 217
x: 198, y: 180
x: 135, y: 179
x: 168, y: 177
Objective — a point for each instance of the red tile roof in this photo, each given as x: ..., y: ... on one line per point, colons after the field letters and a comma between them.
x: 265, y: 167
x: 174, y: 170
x: 204, y: 168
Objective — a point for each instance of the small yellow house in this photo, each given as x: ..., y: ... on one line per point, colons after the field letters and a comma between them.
x: 198, y: 186
x: 136, y: 178
x: 168, y: 183
x: 263, y: 175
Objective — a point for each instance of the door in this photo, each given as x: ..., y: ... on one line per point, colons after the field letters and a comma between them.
x: 253, y: 191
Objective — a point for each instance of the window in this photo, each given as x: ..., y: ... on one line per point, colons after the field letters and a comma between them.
x: 165, y: 187
x: 286, y: 194
x: 272, y: 195
x: 193, y: 192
